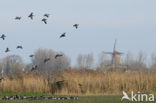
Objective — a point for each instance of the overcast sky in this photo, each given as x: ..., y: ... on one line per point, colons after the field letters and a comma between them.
x: 131, y: 22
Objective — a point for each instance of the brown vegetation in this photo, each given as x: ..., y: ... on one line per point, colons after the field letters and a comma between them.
x: 87, y: 82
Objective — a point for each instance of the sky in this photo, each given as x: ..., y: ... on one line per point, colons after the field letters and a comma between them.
x: 131, y: 22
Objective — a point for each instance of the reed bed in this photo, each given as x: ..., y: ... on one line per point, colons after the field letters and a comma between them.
x: 79, y: 82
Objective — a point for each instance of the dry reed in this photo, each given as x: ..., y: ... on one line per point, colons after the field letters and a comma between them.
x: 82, y: 82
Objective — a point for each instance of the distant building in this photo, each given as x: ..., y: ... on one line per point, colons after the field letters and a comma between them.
x: 116, y: 61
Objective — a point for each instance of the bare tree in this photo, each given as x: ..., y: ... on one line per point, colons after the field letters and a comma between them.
x: 53, y: 64
x: 85, y: 61
x: 104, y: 62
x: 140, y: 62
x: 153, y: 64
x: 12, y: 65
x: 129, y: 60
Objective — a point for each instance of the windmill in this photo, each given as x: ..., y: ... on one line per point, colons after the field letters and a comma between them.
x: 116, y: 57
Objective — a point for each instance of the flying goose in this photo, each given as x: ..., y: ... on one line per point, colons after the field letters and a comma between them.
x: 31, y: 55
x: 76, y: 26
x: 3, y: 36
x: 1, y: 79
x: 31, y: 15
x: 34, y: 68
x: 47, y: 15
x: 7, y: 50
x: 19, y: 47
x: 46, y: 60
x: 63, y: 35
x: 58, y: 55
x: 18, y: 18
x: 44, y: 20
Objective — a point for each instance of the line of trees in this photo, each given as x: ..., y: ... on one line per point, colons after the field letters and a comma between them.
x: 139, y: 62
x: 13, y: 65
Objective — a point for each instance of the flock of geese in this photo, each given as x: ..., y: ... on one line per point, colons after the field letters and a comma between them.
x: 44, y: 20
x: 19, y: 97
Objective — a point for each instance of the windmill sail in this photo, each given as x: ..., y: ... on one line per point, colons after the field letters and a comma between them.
x: 114, y: 46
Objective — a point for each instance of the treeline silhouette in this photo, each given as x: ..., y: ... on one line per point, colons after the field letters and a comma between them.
x: 48, y: 61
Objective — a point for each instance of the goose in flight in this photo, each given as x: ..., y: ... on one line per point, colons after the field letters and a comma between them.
x: 31, y: 55
x: 18, y: 18
x: 46, y: 60
x: 63, y: 35
x: 58, y: 55
x: 3, y: 36
x: 31, y: 15
x: 44, y: 20
x: 19, y: 47
x: 1, y: 79
x: 34, y: 68
x: 76, y: 26
x: 7, y: 50
x: 47, y: 15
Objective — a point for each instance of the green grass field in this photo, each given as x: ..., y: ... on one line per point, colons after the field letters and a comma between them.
x: 82, y: 99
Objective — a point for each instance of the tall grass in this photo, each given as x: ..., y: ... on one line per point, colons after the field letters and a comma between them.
x: 87, y: 82
x: 26, y: 83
